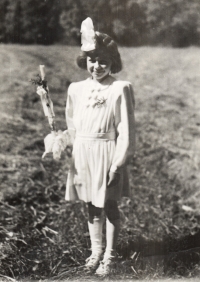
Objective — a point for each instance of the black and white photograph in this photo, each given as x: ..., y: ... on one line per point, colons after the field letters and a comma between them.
x: 99, y: 140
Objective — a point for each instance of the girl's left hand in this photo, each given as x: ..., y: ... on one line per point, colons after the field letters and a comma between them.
x: 113, y: 179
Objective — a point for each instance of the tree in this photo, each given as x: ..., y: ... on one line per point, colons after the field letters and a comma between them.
x: 173, y: 22
x: 13, y: 22
x: 40, y: 21
x: 30, y: 21
x: 101, y: 14
x: 129, y: 23
x: 75, y: 11
x: 3, y: 12
x: 70, y: 20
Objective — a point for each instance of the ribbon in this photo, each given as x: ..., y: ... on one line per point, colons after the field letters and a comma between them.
x: 56, y: 142
x: 48, y: 111
x: 88, y: 35
x: 43, y: 92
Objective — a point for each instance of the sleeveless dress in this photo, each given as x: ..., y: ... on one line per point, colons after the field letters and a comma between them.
x: 100, y: 119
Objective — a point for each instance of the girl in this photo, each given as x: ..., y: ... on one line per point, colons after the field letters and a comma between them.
x: 100, y: 119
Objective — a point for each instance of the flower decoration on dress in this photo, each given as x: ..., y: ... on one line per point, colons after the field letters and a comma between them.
x: 100, y: 102
x: 88, y: 35
x: 96, y: 102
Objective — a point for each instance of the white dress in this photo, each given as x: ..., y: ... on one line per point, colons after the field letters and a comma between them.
x: 100, y: 119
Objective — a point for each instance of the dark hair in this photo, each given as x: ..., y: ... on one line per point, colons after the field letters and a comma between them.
x: 106, y: 44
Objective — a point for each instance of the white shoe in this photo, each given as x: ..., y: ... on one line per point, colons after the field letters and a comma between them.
x: 107, y: 266
x: 93, y: 261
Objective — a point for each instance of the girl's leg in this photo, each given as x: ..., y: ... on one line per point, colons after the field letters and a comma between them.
x: 112, y: 232
x: 95, y: 225
x: 112, y: 227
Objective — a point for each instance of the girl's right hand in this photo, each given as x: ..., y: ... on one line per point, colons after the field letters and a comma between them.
x: 113, y: 179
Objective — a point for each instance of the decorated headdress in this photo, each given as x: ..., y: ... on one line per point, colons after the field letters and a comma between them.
x: 94, y: 40
x: 88, y: 39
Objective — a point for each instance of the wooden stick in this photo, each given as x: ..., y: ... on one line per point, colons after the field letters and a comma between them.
x: 42, y: 71
x: 46, y: 101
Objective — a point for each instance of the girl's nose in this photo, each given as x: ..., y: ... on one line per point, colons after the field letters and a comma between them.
x: 96, y: 65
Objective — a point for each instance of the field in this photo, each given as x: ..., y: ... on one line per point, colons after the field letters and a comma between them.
x: 42, y: 236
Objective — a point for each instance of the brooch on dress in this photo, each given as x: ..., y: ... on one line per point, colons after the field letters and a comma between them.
x: 100, y: 102
x: 96, y: 102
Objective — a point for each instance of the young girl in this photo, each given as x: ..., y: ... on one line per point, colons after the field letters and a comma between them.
x: 100, y: 119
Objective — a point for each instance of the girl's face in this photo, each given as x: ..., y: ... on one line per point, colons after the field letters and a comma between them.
x: 99, y: 66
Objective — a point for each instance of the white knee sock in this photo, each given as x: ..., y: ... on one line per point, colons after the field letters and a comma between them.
x: 112, y: 232
x: 95, y: 230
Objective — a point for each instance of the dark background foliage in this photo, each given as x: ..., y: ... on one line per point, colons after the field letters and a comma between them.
x: 130, y: 22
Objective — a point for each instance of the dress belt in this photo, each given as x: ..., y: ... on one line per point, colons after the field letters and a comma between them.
x: 106, y: 136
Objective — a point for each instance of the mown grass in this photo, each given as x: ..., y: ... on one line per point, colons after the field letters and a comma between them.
x: 42, y: 236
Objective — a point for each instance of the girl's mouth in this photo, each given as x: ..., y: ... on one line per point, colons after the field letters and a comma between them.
x: 98, y: 72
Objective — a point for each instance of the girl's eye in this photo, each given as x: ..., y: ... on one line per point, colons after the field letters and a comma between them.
x: 92, y: 61
x: 103, y: 62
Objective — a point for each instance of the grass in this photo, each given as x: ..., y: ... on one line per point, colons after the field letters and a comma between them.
x: 41, y: 235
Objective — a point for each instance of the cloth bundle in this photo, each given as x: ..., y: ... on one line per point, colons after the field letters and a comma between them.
x: 56, y: 143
